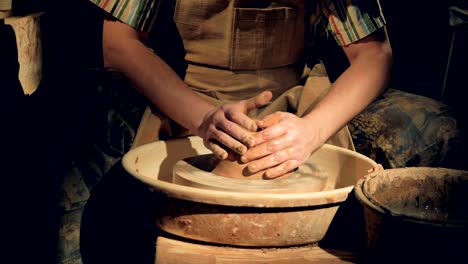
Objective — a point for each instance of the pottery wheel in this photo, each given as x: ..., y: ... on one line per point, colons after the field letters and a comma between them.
x: 196, y: 172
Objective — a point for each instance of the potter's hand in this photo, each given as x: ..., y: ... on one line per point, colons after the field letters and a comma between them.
x: 227, y: 127
x: 286, y: 142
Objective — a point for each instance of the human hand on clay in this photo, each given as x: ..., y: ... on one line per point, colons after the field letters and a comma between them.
x: 227, y: 129
x: 285, y: 142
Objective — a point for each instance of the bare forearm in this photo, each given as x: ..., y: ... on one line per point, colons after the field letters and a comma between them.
x: 281, y: 146
x: 222, y: 128
x: 154, y: 78
x: 359, y: 85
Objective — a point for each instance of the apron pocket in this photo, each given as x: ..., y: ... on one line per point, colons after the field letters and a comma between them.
x: 265, y: 38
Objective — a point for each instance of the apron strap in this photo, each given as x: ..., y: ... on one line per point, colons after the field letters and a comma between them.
x: 316, y: 87
x: 150, y: 128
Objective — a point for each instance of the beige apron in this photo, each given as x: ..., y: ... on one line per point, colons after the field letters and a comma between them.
x: 239, y: 48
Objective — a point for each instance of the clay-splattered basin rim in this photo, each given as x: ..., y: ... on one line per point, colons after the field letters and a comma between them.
x: 366, y: 187
x: 232, y: 198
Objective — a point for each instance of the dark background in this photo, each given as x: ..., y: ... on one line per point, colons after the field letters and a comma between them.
x: 421, y: 38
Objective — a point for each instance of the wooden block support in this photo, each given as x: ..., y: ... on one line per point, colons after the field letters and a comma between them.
x: 28, y: 39
x: 171, y: 251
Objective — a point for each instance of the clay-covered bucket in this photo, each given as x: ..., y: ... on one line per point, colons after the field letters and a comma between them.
x: 235, y: 217
x: 419, y: 213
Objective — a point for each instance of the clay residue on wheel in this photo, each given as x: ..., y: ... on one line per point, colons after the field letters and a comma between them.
x: 200, y: 172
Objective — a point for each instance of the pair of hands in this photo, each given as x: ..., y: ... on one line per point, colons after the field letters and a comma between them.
x: 284, y: 142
